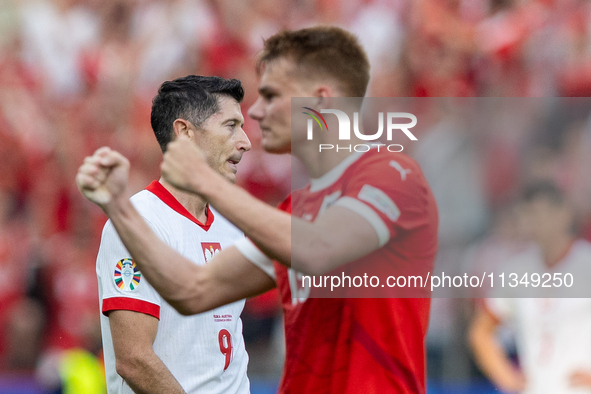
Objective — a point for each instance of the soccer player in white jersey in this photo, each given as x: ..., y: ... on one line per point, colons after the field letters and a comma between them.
x: 148, y: 346
x: 553, y: 335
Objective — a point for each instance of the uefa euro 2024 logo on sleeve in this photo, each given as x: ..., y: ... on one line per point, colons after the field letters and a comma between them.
x: 393, y: 123
x: 127, y: 276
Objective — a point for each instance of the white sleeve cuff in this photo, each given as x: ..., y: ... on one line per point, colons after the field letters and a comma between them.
x: 255, y: 256
x: 368, y: 214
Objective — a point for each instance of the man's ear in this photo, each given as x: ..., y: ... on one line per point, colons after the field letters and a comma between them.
x: 324, y: 95
x: 183, y: 127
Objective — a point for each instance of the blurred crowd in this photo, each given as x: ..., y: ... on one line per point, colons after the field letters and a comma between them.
x: 79, y: 74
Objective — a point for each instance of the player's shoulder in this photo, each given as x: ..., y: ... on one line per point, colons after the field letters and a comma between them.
x: 582, y: 246
x: 388, y: 169
x: 577, y: 258
x: 144, y: 201
x: 377, y: 162
x: 155, y: 211
x: 384, y: 156
x: 147, y: 205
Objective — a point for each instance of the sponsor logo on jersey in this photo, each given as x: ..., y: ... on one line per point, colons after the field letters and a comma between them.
x: 403, y: 171
x: 380, y: 200
x: 210, y: 249
x: 127, y: 276
x: 222, y: 318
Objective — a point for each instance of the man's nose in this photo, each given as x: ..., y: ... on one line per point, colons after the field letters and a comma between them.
x: 243, y: 142
x: 256, y: 110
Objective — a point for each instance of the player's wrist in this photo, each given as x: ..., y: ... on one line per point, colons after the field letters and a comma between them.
x: 116, y: 206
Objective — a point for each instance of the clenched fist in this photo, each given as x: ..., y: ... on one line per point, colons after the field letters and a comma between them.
x: 102, y: 178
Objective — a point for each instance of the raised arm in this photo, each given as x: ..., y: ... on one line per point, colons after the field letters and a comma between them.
x: 227, y: 278
x: 338, y: 237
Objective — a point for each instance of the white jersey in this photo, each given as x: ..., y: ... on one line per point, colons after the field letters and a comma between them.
x: 204, y: 352
x: 553, y: 335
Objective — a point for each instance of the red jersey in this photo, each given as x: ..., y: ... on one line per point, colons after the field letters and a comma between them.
x: 363, y: 345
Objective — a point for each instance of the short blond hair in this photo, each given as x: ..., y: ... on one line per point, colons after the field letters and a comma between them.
x: 325, y: 50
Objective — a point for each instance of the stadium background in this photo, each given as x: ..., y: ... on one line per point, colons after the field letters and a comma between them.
x: 79, y: 74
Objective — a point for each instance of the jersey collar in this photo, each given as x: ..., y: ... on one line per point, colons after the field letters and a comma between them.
x: 160, y: 191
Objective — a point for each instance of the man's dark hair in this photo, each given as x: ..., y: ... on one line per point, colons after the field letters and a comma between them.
x: 193, y: 98
x: 321, y: 51
x: 544, y: 189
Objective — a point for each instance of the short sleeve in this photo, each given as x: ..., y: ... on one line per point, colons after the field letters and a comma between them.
x: 121, y: 284
x: 391, y: 193
x: 249, y: 250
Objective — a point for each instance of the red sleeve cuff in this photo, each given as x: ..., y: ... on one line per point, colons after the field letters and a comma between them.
x: 130, y: 304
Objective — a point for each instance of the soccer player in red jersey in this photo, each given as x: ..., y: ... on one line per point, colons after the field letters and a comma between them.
x: 366, y: 208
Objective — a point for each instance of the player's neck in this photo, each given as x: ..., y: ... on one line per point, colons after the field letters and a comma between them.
x: 319, y: 163
x: 192, y: 203
x: 555, y: 251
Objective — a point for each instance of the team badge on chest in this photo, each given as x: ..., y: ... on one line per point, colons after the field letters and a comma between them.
x: 127, y: 276
x: 210, y: 249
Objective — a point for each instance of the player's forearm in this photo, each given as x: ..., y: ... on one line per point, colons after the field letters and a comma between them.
x: 492, y: 359
x: 148, y: 375
x: 312, y: 248
x: 157, y: 261
x: 268, y: 227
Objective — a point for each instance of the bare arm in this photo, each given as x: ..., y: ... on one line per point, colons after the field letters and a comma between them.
x: 490, y: 356
x: 133, y: 336
x: 227, y: 278
x: 338, y: 237
x: 581, y: 378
